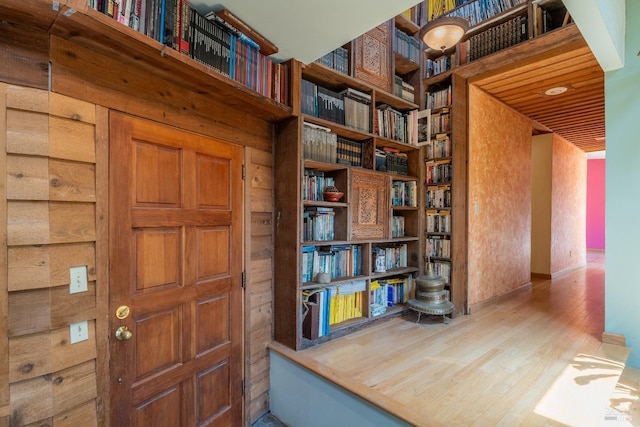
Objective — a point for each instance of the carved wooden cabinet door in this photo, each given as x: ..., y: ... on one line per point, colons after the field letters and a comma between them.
x: 373, y: 57
x: 370, y: 205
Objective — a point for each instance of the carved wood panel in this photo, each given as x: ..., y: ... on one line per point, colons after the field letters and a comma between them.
x: 370, y: 209
x: 373, y: 57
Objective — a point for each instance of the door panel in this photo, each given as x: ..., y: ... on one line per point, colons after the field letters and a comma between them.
x: 176, y: 259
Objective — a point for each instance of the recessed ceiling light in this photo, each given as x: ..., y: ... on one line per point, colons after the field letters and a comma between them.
x: 555, y: 90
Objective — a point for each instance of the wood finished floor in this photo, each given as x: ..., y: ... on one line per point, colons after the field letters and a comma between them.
x: 523, y: 360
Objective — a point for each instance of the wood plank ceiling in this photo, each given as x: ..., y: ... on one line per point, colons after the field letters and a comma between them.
x: 577, y: 114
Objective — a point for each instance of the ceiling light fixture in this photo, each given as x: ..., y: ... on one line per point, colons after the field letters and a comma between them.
x: 555, y: 90
x: 443, y: 33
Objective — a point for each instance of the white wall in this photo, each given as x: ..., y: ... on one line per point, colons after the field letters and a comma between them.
x: 622, y: 109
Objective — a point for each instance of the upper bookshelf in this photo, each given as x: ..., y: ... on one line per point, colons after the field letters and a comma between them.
x: 494, y: 29
x: 336, y: 80
x: 75, y: 22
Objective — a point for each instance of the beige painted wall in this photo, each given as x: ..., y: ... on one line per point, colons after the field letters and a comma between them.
x: 559, y: 200
x: 541, y: 154
x: 499, y: 198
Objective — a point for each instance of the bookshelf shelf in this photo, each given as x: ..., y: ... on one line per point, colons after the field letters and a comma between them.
x: 404, y: 65
x: 406, y: 24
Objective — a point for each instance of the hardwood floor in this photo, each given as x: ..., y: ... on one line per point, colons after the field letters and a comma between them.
x: 533, y: 359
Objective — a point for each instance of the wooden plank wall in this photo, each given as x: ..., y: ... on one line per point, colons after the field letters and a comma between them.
x: 259, y: 331
x: 51, y: 226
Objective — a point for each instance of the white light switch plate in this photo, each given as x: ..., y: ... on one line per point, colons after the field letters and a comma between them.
x: 78, y: 332
x: 78, y: 277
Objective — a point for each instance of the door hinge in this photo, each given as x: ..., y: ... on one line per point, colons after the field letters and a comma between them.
x: 244, y: 172
x: 243, y: 387
x: 244, y: 279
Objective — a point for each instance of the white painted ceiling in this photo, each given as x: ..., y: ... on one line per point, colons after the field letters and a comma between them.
x: 307, y: 29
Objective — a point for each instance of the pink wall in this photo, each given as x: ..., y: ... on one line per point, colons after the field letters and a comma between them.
x: 595, y: 203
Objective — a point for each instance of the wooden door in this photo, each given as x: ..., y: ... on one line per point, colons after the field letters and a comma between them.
x: 175, y: 261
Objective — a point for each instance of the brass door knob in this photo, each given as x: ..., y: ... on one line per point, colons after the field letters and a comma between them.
x: 123, y: 334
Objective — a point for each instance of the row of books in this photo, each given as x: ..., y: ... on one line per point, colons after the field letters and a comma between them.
x: 328, y: 306
x: 349, y: 152
x: 438, y: 197
x: 207, y: 39
x: 337, y: 59
x: 442, y: 269
x: 335, y: 260
x: 393, y: 124
x: 438, y: 147
x: 314, y: 183
x: 438, y: 247
x: 319, y: 143
x: 438, y: 98
x: 321, y: 102
x: 347, y: 301
x: 406, y: 45
x: 389, y: 292
x: 403, y: 90
x: 440, y: 122
x: 404, y: 193
x: 389, y: 257
x: 318, y: 224
x: 438, y: 221
x: 357, y: 109
x: 436, y: 8
x: 496, y: 38
x: 392, y: 161
x: 433, y: 67
x: 397, y: 226
x: 439, y: 172
x: 166, y: 21
x: 315, y: 323
x: 480, y: 10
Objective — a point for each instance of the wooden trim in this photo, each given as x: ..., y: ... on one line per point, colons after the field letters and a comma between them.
x: 460, y: 226
x: 247, y: 289
x: 543, y: 276
x: 556, y: 274
x: 4, y: 292
x: 491, y: 301
x: 616, y: 339
x: 102, y: 264
x: 266, y: 47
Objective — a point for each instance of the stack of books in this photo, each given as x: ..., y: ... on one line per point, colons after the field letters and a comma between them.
x: 319, y: 143
x: 357, y: 109
x: 317, y: 224
x: 338, y: 59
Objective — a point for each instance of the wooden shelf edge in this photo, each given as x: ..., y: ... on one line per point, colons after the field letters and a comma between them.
x: 406, y: 24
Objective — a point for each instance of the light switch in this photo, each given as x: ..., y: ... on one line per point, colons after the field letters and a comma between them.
x: 78, y: 332
x: 78, y: 281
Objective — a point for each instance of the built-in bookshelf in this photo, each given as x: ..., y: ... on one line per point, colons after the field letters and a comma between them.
x: 337, y: 260
x: 216, y: 39
x: 493, y: 27
x: 438, y: 178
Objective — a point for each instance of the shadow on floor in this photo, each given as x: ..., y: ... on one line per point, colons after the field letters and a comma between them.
x: 268, y: 420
